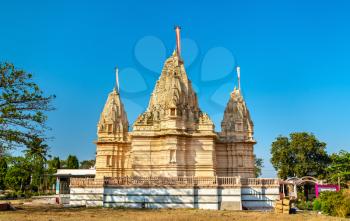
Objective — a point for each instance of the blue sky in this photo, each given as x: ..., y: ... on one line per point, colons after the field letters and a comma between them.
x: 294, y: 58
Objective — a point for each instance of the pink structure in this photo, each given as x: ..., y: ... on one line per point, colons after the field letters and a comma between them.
x: 325, y: 187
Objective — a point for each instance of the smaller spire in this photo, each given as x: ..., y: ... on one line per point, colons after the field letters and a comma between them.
x: 238, y: 69
x: 116, y: 80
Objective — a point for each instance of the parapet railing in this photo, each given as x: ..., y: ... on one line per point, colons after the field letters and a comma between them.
x: 86, y: 182
x: 162, y: 181
x: 228, y: 181
x: 172, y: 181
x: 259, y: 182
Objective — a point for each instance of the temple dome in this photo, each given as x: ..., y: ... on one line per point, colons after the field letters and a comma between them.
x: 113, y: 123
x: 237, y: 124
x: 173, y: 96
x: 173, y: 89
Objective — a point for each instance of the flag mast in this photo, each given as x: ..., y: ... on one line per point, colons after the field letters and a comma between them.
x: 238, y: 69
x: 117, y: 79
x: 178, y: 41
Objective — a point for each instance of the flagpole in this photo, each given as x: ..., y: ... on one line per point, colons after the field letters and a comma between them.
x: 239, y: 77
x: 117, y: 79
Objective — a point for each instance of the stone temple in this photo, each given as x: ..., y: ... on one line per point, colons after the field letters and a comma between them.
x: 174, y: 137
x: 172, y: 157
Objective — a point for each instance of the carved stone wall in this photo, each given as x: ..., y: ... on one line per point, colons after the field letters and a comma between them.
x: 235, y: 159
x: 113, y: 159
x: 172, y: 155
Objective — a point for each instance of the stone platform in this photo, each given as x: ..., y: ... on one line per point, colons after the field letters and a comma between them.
x: 229, y: 193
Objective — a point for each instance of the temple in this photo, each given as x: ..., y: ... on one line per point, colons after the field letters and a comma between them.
x: 174, y: 137
x: 171, y: 156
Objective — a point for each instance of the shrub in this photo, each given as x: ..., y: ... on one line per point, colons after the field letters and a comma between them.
x: 329, y: 201
x: 335, y: 203
x: 28, y: 194
x: 19, y: 194
x: 344, y: 208
x: 11, y: 195
x: 304, y: 205
x: 316, y: 205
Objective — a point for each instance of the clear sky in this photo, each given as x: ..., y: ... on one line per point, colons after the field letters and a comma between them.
x: 294, y: 58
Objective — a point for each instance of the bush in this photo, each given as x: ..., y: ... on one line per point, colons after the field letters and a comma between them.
x: 11, y: 195
x: 304, y: 205
x: 28, y: 194
x: 316, y: 205
x: 335, y: 203
x: 19, y: 194
x: 344, y: 208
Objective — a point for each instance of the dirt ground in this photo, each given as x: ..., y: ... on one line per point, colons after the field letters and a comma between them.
x: 55, y: 213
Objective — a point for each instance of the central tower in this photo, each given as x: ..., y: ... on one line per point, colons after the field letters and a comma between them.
x: 173, y: 137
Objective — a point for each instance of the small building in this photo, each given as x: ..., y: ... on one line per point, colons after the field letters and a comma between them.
x: 63, y: 177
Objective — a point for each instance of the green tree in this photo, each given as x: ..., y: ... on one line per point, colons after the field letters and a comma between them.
x: 299, y: 155
x: 37, y: 149
x: 52, y: 166
x: 259, y: 164
x: 36, y: 154
x: 63, y: 164
x: 339, y: 167
x: 18, y: 174
x: 72, y: 162
x: 22, y: 108
x: 87, y: 164
x: 3, y: 171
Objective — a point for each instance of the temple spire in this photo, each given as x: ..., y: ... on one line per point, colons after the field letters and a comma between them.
x: 117, y: 80
x: 238, y: 69
x: 178, y: 40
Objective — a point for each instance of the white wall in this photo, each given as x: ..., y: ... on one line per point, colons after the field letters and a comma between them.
x: 86, y: 196
x: 161, y: 197
x: 259, y: 197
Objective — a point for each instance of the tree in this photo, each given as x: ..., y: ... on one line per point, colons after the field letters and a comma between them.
x: 339, y: 167
x: 18, y: 175
x: 36, y: 154
x: 300, y: 155
x: 37, y: 149
x: 52, y: 166
x: 72, y: 162
x: 22, y: 108
x: 63, y: 164
x: 259, y: 164
x: 3, y: 171
x: 87, y: 164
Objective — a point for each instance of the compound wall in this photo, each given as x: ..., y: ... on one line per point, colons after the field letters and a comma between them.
x: 232, y: 198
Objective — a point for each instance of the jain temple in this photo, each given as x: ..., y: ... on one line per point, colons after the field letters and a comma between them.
x: 172, y: 157
x: 174, y: 137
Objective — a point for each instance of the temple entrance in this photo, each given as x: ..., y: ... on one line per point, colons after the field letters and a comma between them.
x: 306, y: 184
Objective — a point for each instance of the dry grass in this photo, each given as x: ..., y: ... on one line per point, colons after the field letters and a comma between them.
x: 41, y: 213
